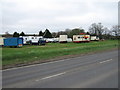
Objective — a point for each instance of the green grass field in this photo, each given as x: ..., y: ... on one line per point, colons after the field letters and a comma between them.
x: 11, y: 56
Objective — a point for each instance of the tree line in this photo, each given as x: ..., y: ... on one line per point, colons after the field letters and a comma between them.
x: 96, y: 29
x: 46, y: 34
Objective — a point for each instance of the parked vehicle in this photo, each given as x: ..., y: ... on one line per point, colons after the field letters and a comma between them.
x: 55, y: 40
x: 25, y: 39
x: 63, y: 38
x: 69, y: 40
x: 49, y: 40
x: 94, y: 38
x: 42, y: 41
x: 34, y: 39
x: 52, y: 40
x: 81, y: 38
x: 15, y: 42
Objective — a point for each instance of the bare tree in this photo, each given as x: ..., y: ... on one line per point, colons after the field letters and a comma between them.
x: 96, y: 29
x: 106, y: 31
x: 116, y: 30
x: 93, y: 29
x: 54, y: 34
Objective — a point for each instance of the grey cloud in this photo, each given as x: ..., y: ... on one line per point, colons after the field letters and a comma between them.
x: 19, y: 17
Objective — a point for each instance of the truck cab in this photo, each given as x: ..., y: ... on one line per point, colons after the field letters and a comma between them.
x: 42, y: 41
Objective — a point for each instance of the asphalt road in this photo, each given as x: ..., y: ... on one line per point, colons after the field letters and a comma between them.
x: 98, y: 70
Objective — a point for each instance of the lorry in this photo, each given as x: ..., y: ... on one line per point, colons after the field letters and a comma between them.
x: 13, y: 42
x: 63, y: 38
x: 81, y: 38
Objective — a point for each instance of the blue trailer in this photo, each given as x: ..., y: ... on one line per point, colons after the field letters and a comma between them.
x: 13, y: 42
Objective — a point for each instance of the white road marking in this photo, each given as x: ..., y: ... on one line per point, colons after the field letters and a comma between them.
x: 51, y: 76
x: 106, y: 61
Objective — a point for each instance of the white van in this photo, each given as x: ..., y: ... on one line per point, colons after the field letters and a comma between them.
x: 94, y: 38
x: 69, y: 40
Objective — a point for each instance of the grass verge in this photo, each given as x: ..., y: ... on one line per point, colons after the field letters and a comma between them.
x: 26, y: 54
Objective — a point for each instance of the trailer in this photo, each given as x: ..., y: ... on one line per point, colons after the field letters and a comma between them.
x: 94, y: 38
x: 13, y: 42
x: 63, y: 38
x: 81, y: 38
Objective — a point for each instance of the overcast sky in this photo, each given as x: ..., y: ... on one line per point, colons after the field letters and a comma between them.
x: 31, y: 16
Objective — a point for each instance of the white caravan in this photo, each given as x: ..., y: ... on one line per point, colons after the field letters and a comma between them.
x: 31, y: 39
x: 25, y: 39
x: 81, y: 38
x: 63, y: 38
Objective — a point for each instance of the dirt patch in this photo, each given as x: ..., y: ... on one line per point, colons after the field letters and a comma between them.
x: 55, y: 59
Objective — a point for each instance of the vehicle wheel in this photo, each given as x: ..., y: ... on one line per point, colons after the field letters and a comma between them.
x: 30, y: 43
x: 38, y: 43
